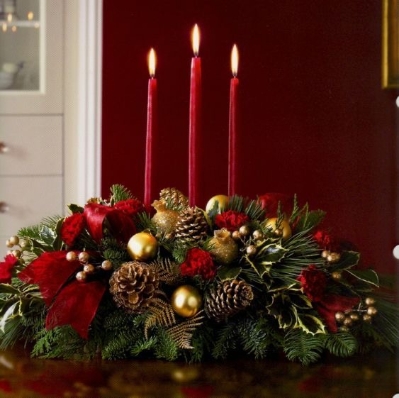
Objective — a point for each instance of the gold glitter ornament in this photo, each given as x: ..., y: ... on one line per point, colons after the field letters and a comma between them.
x: 277, y: 227
x: 221, y: 200
x: 142, y: 246
x: 164, y: 219
x: 186, y: 301
x: 223, y: 247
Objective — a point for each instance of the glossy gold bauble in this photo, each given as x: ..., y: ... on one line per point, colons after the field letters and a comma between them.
x: 186, y: 301
x: 283, y: 227
x: 142, y: 246
x: 221, y: 200
x: 223, y: 247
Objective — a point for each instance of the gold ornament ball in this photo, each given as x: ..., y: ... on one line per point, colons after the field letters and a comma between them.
x: 284, y: 226
x: 106, y: 265
x: 186, y: 301
x: 222, y: 202
x: 14, y: 240
x: 142, y: 246
x: 71, y: 256
x: 83, y: 257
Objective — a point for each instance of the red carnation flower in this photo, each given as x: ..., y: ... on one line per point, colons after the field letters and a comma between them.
x: 271, y: 201
x: 129, y: 206
x: 313, y: 282
x: 198, y: 262
x: 231, y: 220
x: 72, y: 227
x: 325, y: 240
x: 6, y: 268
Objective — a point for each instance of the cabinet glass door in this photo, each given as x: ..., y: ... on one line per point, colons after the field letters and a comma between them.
x: 21, y: 49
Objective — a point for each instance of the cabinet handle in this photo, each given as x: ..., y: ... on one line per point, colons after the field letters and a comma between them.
x: 4, y: 207
x: 3, y: 147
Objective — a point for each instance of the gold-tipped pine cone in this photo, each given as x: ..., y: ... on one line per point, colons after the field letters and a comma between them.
x: 228, y: 298
x: 133, y: 286
x: 174, y: 199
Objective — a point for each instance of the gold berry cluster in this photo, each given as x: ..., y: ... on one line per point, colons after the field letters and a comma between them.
x: 365, y: 312
x: 17, y: 246
x: 89, y: 267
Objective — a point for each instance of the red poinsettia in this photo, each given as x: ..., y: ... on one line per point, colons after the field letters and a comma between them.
x: 72, y: 303
x: 6, y: 267
x: 314, y: 283
x: 198, y: 262
x: 72, y: 227
x: 231, y: 220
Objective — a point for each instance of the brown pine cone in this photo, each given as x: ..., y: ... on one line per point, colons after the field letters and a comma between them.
x: 174, y: 199
x: 133, y: 286
x: 228, y: 298
x: 191, y: 226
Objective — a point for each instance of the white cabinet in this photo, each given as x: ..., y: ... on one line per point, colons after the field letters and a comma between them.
x: 31, y: 114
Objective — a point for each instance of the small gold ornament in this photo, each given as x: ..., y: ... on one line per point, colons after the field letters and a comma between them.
x: 223, y: 247
x: 142, y: 246
x: 164, y: 219
x: 186, y: 301
x: 17, y: 253
x: 89, y: 268
x: 106, y: 265
x: 257, y: 234
x: 14, y: 240
x: 333, y: 257
x: 372, y: 311
x: 282, y: 228
x: 222, y: 202
x: 71, y: 256
x: 251, y: 250
x: 369, y: 301
x: 81, y: 276
x: 337, y: 275
x: 83, y: 257
x: 244, y: 230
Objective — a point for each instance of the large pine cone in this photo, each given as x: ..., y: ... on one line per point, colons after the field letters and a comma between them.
x: 174, y: 199
x: 133, y: 286
x: 228, y: 298
x: 191, y: 226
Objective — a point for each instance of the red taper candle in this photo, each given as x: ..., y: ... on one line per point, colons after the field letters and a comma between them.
x: 151, y: 131
x: 194, y: 119
x: 233, y: 124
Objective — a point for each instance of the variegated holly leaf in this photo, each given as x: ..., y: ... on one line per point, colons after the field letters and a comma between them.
x: 310, y: 324
x: 368, y: 276
x: 227, y: 272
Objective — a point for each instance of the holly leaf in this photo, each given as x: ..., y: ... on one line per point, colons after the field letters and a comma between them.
x: 368, y: 276
x: 348, y: 260
x: 310, y: 324
x: 300, y: 301
x: 226, y: 272
x: 309, y: 219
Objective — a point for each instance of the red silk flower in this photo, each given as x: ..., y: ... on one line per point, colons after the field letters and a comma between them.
x: 231, y: 220
x: 198, y: 262
x: 130, y: 206
x: 72, y: 303
x: 313, y: 283
x: 6, y: 268
x: 72, y: 227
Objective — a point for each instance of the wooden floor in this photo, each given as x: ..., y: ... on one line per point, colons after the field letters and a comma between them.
x: 370, y: 376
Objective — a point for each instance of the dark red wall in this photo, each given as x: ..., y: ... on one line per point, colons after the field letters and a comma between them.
x: 314, y: 119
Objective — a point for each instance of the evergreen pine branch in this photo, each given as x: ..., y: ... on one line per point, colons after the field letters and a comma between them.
x: 141, y: 345
x: 144, y: 222
x: 341, y: 344
x: 114, y: 251
x: 236, y: 203
x: 165, y: 347
x: 255, y: 210
x: 302, y: 346
x: 225, y: 340
x: 119, y: 193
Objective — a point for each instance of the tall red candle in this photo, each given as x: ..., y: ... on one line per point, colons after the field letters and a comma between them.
x: 194, y: 119
x: 151, y: 131
x: 233, y: 124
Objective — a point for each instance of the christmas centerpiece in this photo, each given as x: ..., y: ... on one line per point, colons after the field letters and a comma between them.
x: 241, y: 276
x: 118, y: 278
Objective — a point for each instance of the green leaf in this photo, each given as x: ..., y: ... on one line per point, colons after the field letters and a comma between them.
x: 271, y: 253
x: 300, y: 301
x: 12, y: 312
x: 310, y: 324
x: 348, y: 260
x: 75, y: 208
x: 227, y: 272
x: 368, y: 275
x: 8, y: 289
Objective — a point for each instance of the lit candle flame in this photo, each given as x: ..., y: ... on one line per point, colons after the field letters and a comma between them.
x: 151, y: 62
x: 196, y: 40
x: 234, y: 60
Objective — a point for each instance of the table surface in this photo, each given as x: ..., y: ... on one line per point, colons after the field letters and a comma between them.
x: 370, y: 376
